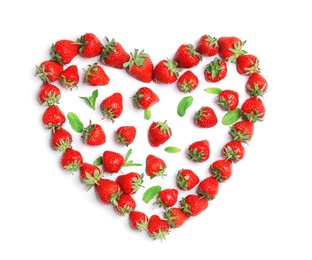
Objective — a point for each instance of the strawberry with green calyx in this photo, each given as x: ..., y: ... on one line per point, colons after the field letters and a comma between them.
x: 89, y: 45
x: 61, y: 139
x: 138, y: 220
x: 205, y: 117
x: 187, y: 179
x: 242, y: 131
x: 69, y: 78
x: 256, y: 85
x: 167, y: 198
x: 208, y: 188
x: 155, y: 166
x: 159, y: 133
x: 215, y: 71
x: 247, y: 64
x: 230, y: 47
x: 90, y: 175
x: 166, y: 72
x: 53, y: 117
x: 221, y: 169
x: 131, y: 182
x: 125, y: 134
x: 71, y: 160
x: 207, y: 46
x: 187, y: 82
x: 186, y: 56
x: 95, y: 75
x: 233, y: 151
x: 48, y: 94
x: 193, y: 204
x: 157, y: 228
x: 227, y: 99
x: 175, y: 217
x: 199, y: 151
x: 253, y: 109
x: 108, y: 191
x: 49, y: 71
x: 64, y: 51
x: 124, y: 204
x: 112, y: 106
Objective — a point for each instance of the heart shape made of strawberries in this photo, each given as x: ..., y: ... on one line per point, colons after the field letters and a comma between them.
x: 153, y: 139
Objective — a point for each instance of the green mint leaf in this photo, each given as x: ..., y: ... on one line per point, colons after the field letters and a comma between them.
x: 98, y: 161
x: 184, y: 104
x: 147, y: 113
x: 75, y: 122
x: 172, y: 149
x: 92, y: 99
x: 150, y: 193
x: 231, y: 117
x: 213, y: 90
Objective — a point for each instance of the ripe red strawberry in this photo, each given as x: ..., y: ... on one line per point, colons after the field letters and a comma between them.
x: 140, y: 66
x: 49, y: 71
x: 93, y: 135
x: 221, y: 169
x: 208, y: 188
x: 159, y: 133
x: 193, y: 204
x: 138, y: 220
x: 233, y: 151
x: 167, y: 198
x: 90, y: 174
x: 187, y: 179
x: 242, y: 131
x: 130, y: 182
x: 247, y: 64
x: 216, y: 70
x: 61, y: 139
x: 112, y: 106
x: 108, y: 191
x: 166, y: 72
x: 256, y: 85
x: 69, y: 78
x: 230, y: 47
x: 114, y: 55
x: 53, y: 117
x: 144, y: 98
x: 187, y: 82
x: 125, y: 204
x: 125, y: 134
x: 157, y: 228
x: 155, y: 166
x: 90, y: 45
x: 253, y: 109
x: 205, y: 117
x: 227, y: 99
x: 48, y: 94
x: 199, y: 151
x: 207, y: 46
x: 64, y: 51
x: 71, y: 160
x: 95, y: 75
x: 175, y: 217
x: 186, y: 56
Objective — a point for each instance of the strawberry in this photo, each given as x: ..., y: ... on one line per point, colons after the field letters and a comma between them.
x: 221, y: 169
x: 187, y: 82
x: 53, y: 117
x: 125, y: 204
x: 157, y: 228
x: 233, y: 151
x: 242, y: 131
x: 186, y: 56
x: 71, y: 160
x: 253, y: 109
x: 48, y: 94
x: 95, y: 75
x: 167, y: 198
x: 69, y: 77
x: 61, y: 139
x: 256, y: 85
x: 113, y: 54
x: 208, y: 188
x: 125, y: 134
x: 207, y: 46
x: 112, y: 106
x: 247, y: 64
x: 90, y: 174
x: 64, y: 51
x: 140, y: 66
x: 216, y: 70
x: 159, y: 133
x: 193, y: 204
x: 205, y: 117
x: 166, y: 72
x: 144, y: 98
x: 199, y: 151
x: 155, y: 166
x: 230, y: 47
x: 138, y: 220
x: 130, y: 182
x: 49, y: 71
x: 227, y: 99
x: 175, y: 217
x: 93, y: 135
x: 187, y: 179
x: 108, y: 191
x: 89, y: 45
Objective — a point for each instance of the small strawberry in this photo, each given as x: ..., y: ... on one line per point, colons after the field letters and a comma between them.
x: 64, y: 51
x: 199, y: 151
x: 208, y: 188
x: 89, y: 45
x: 159, y: 133
x: 227, y: 99
x: 155, y: 166
x: 112, y: 106
x: 69, y: 78
x: 125, y: 204
x: 247, y: 64
x: 186, y: 56
x: 93, y: 135
x: 221, y: 169
x: 130, y: 182
x: 157, y: 228
x: 71, y: 160
x: 187, y: 179
x: 187, y: 82
x: 233, y: 151
x: 230, y: 47
x: 90, y: 174
x: 144, y: 98
x: 216, y: 70
x: 242, y: 131
x: 48, y: 94
x: 53, y: 117
x: 138, y: 220
x: 113, y: 54
x: 253, y: 109
x: 205, y: 117
x: 207, y: 46
x: 175, y: 217
x: 140, y: 66
x: 166, y: 72
x: 125, y: 134
x: 61, y: 139
x: 256, y: 85
x: 49, y: 71
x: 108, y: 191
x: 167, y: 198
x: 193, y: 204
x: 95, y: 75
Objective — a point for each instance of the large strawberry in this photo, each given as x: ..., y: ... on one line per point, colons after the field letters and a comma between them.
x: 93, y: 135
x: 61, y: 139
x: 69, y: 78
x: 187, y: 82
x: 49, y: 71
x: 187, y: 179
x: 247, y: 64
x: 89, y: 45
x: 242, y: 131
x: 216, y: 70
x: 159, y: 133
x: 155, y: 166
x: 186, y: 56
x: 64, y: 51
x: 53, y: 117
x: 71, y: 160
x: 193, y: 204
x: 48, y: 94
x: 205, y: 117
x: 166, y: 72
x: 95, y: 75
x: 90, y: 175
x: 175, y: 217
x: 199, y: 151
x: 124, y: 204
x: 233, y: 151
x: 207, y: 46
x: 227, y: 99
x: 208, y: 188
x: 256, y: 85
x: 112, y: 106
x: 230, y: 47
x: 253, y: 109
x: 138, y: 220
x: 108, y: 191
x: 157, y: 227
x: 125, y: 134
x: 167, y: 197
x: 221, y: 169
x: 130, y: 182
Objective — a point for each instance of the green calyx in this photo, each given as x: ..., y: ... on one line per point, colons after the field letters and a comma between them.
x: 164, y: 127
x: 256, y: 91
x: 230, y: 154
x: 214, y: 68
x: 253, y: 116
x: 216, y: 172
x: 73, y: 166
x: 137, y: 58
x: 86, y: 133
x: 239, y: 136
x: 51, y: 99
x: 193, y: 51
x: 90, y: 72
x: 195, y: 155
x: 172, y: 67
x: 92, y: 180
x: 40, y: 72
x: 108, y: 48
x: 237, y: 50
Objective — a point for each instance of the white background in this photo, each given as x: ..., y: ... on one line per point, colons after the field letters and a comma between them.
x: 262, y: 212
